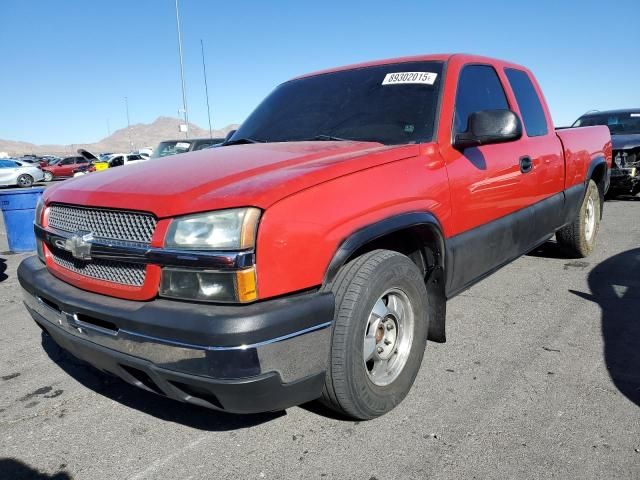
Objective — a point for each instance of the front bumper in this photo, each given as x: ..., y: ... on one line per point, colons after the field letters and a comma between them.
x: 251, y: 358
x: 625, y: 180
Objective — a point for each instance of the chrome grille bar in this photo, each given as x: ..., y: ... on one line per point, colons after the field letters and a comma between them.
x: 120, y: 225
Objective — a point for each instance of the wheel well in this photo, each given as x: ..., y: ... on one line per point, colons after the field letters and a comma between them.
x: 420, y: 243
x: 424, y: 245
x: 598, y: 176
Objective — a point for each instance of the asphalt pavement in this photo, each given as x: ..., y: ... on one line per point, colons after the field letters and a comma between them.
x: 539, y: 378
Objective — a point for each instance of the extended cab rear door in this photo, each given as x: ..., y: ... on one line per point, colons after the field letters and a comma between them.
x: 545, y: 182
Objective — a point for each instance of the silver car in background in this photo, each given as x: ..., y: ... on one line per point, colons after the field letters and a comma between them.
x: 13, y: 172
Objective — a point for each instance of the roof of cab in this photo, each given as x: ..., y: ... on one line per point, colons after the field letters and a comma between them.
x: 439, y: 57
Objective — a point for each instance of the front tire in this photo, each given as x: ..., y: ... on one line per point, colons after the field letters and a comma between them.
x: 379, y: 334
x: 25, y: 181
x: 579, y: 237
x: 48, y: 176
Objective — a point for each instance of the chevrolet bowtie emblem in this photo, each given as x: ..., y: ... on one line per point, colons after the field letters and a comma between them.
x: 79, y: 245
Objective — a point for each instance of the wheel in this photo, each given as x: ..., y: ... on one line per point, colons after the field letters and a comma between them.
x: 580, y: 236
x: 48, y: 176
x: 25, y: 180
x: 379, y: 334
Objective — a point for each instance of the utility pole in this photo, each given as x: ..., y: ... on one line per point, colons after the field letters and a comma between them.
x: 126, y: 104
x: 184, y: 92
x: 206, y: 89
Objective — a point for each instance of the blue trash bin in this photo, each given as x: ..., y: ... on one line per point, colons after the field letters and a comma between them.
x: 18, y: 208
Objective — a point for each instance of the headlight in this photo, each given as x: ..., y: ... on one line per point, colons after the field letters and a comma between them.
x: 39, y: 211
x: 233, y: 229
x: 38, y: 221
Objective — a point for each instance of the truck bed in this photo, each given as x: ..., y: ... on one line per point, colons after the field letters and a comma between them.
x: 581, y: 145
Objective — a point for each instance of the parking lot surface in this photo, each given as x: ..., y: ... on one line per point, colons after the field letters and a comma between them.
x: 539, y: 378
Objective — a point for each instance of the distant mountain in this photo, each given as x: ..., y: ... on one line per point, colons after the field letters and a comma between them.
x: 142, y: 135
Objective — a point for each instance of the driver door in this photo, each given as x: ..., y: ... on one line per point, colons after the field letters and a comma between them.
x: 491, y: 221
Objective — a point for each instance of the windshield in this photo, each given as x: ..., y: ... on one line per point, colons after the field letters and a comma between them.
x: 164, y: 149
x: 625, y: 123
x: 390, y: 104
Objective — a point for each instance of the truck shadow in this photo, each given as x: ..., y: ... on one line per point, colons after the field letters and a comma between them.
x: 615, y: 286
x: 155, y: 405
x: 18, y: 470
x: 3, y: 268
x: 549, y: 249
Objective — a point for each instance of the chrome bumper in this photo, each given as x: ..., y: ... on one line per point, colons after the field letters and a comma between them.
x: 294, y: 356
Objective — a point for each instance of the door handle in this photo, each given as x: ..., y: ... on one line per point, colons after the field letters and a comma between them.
x: 526, y: 164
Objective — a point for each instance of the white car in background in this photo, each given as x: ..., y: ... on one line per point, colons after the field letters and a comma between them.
x: 13, y: 172
x: 112, y: 160
x: 121, y: 159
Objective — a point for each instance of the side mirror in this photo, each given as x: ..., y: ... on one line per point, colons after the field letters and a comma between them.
x: 489, y: 126
x: 229, y: 135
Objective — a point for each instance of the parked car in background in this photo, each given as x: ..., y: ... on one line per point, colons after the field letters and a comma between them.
x: 14, y: 172
x: 312, y: 256
x: 29, y: 160
x: 624, y: 126
x: 49, y: 159
x: 99, y: 163
x: 174, y: 147
x: 145, y: 152
x: 84, y: 169
x: 121, y: 159
x: 64, y: 168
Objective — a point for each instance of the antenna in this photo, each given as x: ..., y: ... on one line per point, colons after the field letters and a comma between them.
x: 206, y: 88
x: 184, y: 92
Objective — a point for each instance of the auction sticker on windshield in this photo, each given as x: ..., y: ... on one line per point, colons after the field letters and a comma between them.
x: 425, y: 78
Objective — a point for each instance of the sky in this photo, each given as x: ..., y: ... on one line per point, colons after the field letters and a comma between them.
x: 66, y: 65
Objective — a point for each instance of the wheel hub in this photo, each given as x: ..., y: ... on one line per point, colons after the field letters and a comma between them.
x: 590, y: 219
x: 388, y: 337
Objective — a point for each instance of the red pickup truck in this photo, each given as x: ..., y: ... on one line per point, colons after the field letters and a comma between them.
x: 311, y: 256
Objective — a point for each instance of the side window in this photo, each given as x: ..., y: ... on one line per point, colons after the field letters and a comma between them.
x: 116, y: 162
x: 66, y: 161
x: 82, y: 160
x: 479, y: 89
x: 133, y: 158
x: 531, y: 109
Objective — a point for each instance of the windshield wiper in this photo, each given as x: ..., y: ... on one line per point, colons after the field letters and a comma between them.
x: 245, y: 140
x: 331, y: 138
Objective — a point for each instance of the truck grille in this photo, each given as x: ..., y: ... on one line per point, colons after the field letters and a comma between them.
x: 117, y: 272
x: 109, y: 224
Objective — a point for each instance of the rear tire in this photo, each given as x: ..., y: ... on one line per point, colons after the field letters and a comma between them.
x: 25, y: 180
x: 579, y: 237
x: 392, y: 335
x: 48, y: 176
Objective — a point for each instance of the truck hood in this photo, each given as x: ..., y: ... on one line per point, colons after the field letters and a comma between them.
x: 622, y: 142
x: 240, y: 175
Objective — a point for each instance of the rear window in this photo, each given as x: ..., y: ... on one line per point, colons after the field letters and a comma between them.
x: 535, y: 123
